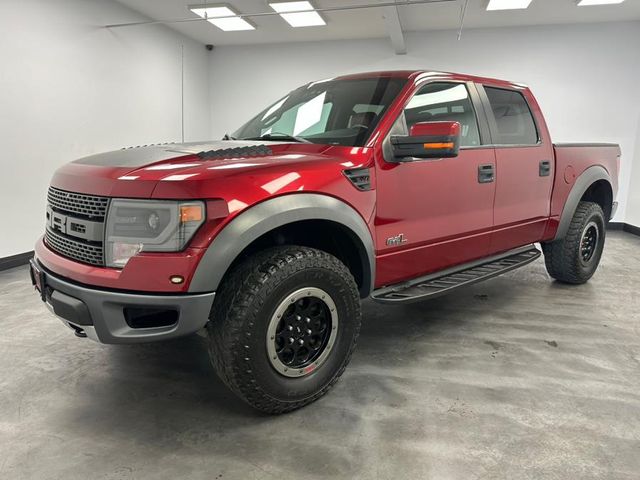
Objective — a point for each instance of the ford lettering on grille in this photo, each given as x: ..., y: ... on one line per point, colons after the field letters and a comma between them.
x: 75, y: 225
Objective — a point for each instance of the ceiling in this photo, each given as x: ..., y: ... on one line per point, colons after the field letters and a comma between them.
x: 369, y: 23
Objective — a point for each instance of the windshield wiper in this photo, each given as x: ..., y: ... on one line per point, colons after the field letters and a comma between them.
x: 280, y: 136
x: 228, y: 137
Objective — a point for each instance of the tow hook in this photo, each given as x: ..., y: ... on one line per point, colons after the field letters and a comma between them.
x: 80, y: 333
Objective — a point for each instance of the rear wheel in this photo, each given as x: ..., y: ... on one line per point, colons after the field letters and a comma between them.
x: 575, y: 258
x: 283, y: 327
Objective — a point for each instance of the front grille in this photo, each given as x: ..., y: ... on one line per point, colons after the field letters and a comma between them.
x: 74, y: 249
x: 71, y: 238
x: 88, y: 206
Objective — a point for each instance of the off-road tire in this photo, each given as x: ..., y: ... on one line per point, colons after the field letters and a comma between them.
x: 241, y: 313
x: 563, y: 257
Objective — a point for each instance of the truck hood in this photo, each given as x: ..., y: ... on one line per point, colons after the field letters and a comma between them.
x: 205, y: 169
x: 147, y: 155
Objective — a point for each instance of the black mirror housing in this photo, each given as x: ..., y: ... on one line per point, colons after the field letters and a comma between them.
x: 428, y: 140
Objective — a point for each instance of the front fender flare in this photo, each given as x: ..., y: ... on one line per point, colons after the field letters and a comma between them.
x: 580, y: 186
x: 271, y: 214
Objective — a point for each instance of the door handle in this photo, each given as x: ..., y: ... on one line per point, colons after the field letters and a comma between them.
x: 545, y: 168
x: 486, y: 173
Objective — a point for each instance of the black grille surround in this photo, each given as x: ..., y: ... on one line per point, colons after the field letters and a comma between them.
x: 79, y: 206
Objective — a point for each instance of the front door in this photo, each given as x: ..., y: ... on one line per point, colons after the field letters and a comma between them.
x: 434, y: 213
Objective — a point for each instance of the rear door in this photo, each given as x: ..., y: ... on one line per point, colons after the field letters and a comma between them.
x: 524, y: 167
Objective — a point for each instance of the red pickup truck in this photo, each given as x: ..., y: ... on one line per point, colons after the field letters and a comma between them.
x: 398, y: 186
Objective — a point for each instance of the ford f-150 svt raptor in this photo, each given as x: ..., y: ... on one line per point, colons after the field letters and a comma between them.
x: 397, y: 186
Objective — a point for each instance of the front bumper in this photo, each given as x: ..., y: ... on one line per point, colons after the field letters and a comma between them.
x: 121, y: 317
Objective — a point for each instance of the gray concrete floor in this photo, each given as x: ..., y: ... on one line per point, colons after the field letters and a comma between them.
x: 516, y: 378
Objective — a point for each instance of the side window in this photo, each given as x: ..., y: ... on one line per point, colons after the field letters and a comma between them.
x: 445, y: 102
x: 514, y: 120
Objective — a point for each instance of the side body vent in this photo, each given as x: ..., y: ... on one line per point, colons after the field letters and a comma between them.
x: 238, y: 152
x: 360, y: 178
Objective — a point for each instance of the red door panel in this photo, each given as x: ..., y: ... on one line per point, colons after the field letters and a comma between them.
x: 522, y: 196
x: 444, y: 214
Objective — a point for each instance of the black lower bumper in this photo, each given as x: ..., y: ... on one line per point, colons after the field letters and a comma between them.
x: 119, y: 317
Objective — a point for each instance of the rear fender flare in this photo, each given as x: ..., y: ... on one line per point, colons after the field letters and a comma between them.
x: 580, y: 186
x: 264, y: 217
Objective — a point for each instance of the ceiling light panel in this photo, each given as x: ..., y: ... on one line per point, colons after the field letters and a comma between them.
x: 508, y: 4
x: 585, y: 3
x: 223, y: 17
x: 298, y: 14
x: 303, y: 19
x: 231, y: 24
x: 212, y: 12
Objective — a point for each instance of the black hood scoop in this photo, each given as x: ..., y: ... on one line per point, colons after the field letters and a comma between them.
x: 237, y: 152
x: 136, y: 157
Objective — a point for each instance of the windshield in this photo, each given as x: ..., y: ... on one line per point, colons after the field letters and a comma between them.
x: 336, y: 112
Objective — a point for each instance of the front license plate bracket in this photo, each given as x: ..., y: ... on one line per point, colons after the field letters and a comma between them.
x: 39, y: 280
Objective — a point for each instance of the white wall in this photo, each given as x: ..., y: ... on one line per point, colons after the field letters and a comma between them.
x: 585, y: 77
x: 70, y: 88
x: 633, y: 202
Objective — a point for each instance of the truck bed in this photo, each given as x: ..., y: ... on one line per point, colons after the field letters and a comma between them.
x: 572, y: 159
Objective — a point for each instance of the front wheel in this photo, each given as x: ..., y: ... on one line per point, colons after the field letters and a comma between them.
x: 283, y: 327
x: 575, y: 258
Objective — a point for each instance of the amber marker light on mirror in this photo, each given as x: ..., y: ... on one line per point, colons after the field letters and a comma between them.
x: 437, y: 146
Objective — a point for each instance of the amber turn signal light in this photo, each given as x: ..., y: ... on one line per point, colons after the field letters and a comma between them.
x: 438, y: 146
x: 191, y: 213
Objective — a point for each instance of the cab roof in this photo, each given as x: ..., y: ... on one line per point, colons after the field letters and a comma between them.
x: 414, y: 75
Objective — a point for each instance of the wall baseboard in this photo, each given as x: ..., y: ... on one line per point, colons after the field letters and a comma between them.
x: 624, y: 227
x: 632, y: 229
x: 615, y: 226
x: 15, y: 260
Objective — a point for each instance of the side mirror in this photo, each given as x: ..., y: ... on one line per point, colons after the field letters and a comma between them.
x: 428, y: 140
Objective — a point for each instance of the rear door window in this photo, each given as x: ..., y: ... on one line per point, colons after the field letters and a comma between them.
x: 513, y: 118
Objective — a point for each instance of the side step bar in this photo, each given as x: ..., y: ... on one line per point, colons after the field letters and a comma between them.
x: 443, y: 282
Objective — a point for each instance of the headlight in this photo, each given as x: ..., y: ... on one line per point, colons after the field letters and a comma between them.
x: 149, y: 226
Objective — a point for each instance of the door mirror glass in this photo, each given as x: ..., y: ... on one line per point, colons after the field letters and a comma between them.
x: 428, y: 140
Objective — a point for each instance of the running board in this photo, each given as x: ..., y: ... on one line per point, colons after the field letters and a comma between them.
x: 445, y: 281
